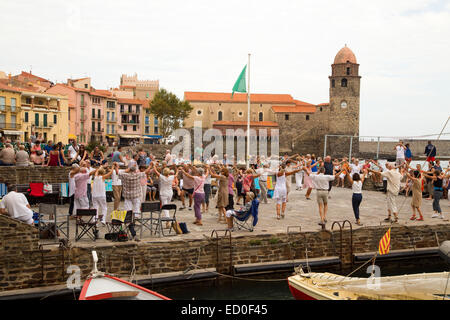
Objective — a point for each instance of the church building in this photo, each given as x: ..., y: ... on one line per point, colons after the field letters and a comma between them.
x: 302, y: 126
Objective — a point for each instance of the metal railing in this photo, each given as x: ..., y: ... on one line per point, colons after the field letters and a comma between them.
x: 43, y: 125
x: 9, y: 125
x: 9, y: 108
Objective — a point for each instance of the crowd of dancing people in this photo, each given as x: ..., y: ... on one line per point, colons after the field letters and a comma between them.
x: 229, y: 187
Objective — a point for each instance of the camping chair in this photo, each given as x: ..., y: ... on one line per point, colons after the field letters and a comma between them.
x: 146, y: 222
x: 36, y: 191
x: 120, y: 220
x: 87, y: 228
x: 242, y: 219
x: 47, y: 219
x: 158, y: 220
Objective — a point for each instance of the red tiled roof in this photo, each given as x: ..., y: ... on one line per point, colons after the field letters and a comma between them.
x: 32, y: 75
x: 294, y: 109
x: 132, y: 101
x: 8, y: 88
x: 323, y: 104
x: 302, y: 103
x: 238, y: 97
x: 244, y: 123
x: 102, y: 93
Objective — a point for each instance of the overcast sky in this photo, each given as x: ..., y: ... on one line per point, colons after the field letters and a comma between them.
x: 402, y: 46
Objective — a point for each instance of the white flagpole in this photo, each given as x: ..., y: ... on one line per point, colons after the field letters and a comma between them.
x: 248, y: 113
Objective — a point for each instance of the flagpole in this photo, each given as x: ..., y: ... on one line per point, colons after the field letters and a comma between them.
x: 248, y: 113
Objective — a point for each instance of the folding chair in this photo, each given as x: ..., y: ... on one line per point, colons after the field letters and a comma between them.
x: 120, y: 220
x: 146, y: 222
x: 47, y: 216
x: 87, y: 228
x: 242, y: 219
x: 36, y: 191
x: 158, y: 220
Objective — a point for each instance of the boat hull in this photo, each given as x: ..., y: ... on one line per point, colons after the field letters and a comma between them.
x: 109, y: 287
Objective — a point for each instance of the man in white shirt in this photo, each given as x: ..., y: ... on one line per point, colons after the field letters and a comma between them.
x: 263, y: 172
x: 355, y: 167
x: 321, y: 183
x: 168, y: 158
x: 73, y: 151
x: 393, y: 178
x: 393, y: 187
x: 400, y: 153
x: 116, y: 185
x: 16, y: 206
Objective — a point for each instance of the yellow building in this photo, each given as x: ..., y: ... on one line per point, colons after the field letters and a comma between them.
x: 46, y: 115
x: 10, y: 118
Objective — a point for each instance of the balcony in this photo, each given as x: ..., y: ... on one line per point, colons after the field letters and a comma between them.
x: 96, y: 131
x: 97, y: 118
x: 9, y: 125
x: 111, y: 120
x: 6, y: 108
x: 127, y: 111
x: 130, y: 121
x: 43, y: 125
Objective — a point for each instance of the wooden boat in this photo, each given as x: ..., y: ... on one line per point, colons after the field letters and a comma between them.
x: 329, y: 286
x: 100, y: 286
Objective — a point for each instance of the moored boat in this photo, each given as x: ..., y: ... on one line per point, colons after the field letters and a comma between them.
x: 100, y: 286
x: 329, y: 286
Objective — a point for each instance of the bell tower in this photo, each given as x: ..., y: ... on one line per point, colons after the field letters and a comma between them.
x: 344, y: 94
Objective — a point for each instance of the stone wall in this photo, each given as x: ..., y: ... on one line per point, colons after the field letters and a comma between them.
x: 417, y: 148
x: 23, y: 264
x: 23, y: 175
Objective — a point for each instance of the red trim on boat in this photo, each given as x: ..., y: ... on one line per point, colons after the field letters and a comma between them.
x: 139, y: 287
x: 84, y: 290
x: 299, y: 295
x: 105, y: 295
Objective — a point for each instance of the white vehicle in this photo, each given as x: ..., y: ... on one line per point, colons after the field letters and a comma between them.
x: 169, y: 140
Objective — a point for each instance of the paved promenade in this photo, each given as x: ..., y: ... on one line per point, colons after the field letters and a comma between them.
x: 299, y: 212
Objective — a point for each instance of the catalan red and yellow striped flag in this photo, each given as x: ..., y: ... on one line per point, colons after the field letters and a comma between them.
x: 383, y: 246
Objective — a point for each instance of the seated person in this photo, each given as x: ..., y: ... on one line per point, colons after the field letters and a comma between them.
x: 249, y: 196
x: 16, y: 205
x: 37, y: 158
x: 151, y: 188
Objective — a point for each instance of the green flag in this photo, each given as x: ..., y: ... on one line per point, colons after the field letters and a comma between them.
x: 240, y: 85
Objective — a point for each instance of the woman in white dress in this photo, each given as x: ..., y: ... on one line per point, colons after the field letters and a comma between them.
x: 165, y: 187
x: 280, y: 192
x: 99, y: 193
x: 299, y: 175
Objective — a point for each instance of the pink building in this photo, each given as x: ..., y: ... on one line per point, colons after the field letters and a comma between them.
x: 131, y: 119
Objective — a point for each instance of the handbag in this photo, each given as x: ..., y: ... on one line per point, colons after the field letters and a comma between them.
x: 48, y: 188
x: 176, y: 228
x: 183, y: 227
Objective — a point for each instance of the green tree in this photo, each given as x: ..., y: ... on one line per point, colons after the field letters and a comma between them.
x: 169, y: 110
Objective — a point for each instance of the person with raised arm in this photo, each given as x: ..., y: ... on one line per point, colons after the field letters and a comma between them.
x: 165, y: 186
x: 307, y: 181
x: 437, y: 180
x: 99, y: 192
x: 416, y: 188
x: 199, y: 177
x: 321, y: 184
x: 280, y: 191
x: 222, y: 193
x: 393, y: 187
x: 357, y: 181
